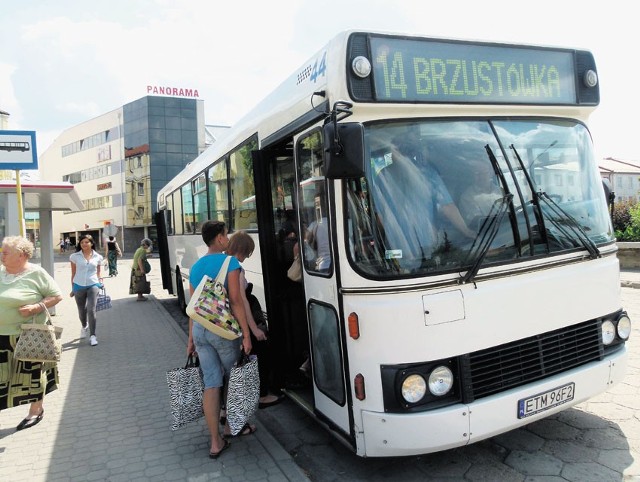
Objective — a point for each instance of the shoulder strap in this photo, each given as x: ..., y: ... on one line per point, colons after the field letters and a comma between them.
x: 222, y: 274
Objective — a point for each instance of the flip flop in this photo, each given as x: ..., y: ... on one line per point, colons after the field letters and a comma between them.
x: 245, y: 430
x: 278, y: 399
x: 30, y: 422
x: 225, y: 446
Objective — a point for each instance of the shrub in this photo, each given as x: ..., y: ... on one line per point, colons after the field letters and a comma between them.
x: 621, y: 215
x: 626, y: 221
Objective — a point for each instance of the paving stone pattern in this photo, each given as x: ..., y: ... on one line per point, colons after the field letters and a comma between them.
x: 110, y: 419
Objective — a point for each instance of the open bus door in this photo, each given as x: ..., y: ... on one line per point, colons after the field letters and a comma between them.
x: 329, y: 363
x: 303, y: 316
x: 163, y: 249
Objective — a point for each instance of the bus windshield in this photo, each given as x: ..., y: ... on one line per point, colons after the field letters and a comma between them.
x: 440, y: 196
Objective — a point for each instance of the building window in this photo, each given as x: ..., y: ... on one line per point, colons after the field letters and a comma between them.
x: 89, y: 174
x: 141, y: 189
x: 558, y: 180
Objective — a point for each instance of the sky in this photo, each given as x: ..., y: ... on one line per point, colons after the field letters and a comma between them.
x: 63, y: 62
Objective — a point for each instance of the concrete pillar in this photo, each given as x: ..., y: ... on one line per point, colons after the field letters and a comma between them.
x: 47, y: 247
x: 46, y: 241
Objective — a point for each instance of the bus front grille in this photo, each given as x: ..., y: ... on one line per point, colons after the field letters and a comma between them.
x: 520, y: 362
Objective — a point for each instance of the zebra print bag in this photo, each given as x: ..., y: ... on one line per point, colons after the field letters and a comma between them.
x: 243, y: 393
x: 185, y: 393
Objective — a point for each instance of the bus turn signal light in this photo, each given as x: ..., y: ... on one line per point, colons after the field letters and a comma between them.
x: 354, y: 326
x: 358, y: 384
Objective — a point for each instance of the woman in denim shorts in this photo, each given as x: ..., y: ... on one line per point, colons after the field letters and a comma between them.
x: 217, y: 355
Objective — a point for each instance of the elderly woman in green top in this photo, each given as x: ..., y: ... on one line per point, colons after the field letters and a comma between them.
x: 138, y: 272
x: 25, y: 291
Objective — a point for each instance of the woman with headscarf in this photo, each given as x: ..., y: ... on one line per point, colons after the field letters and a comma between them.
x: 138, y: 284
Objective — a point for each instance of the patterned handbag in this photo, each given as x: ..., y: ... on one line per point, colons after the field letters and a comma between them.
x: 185, y: 392
x: 104, y: 300
x: 209, y: 306
x: 39, y: 342
x: 243, y: 393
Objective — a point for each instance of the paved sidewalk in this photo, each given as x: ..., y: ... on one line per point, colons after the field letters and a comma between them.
x: 110, y: 419
x: 630, y: 278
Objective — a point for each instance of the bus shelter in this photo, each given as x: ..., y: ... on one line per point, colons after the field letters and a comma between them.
x: 39, y: 200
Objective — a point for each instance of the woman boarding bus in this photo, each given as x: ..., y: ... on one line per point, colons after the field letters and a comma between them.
x: 439, y: 315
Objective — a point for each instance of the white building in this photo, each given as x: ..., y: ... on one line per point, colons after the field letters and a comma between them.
x: 119, y: 161
x: 623, y: 177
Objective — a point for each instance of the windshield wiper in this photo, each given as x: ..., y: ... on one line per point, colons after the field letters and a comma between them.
x: 488, y: 231
x: 505, y: 190
x: 535, y: 200
x: 576, y: 229
x: 575, y: 232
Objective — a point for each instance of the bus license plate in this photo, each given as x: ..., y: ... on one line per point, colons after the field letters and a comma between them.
x: 546, y: 400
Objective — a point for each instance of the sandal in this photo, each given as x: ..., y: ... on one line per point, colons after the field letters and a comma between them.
x: 246, y: 430
x: 30, y: 422
x: 225, y: 446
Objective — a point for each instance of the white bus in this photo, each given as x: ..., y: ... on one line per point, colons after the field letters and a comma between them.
x: 460, y: 274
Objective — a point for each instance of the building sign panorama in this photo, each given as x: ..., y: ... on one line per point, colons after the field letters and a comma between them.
x: 175, y: 91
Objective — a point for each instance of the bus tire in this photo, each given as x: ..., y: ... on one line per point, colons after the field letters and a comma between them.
x: 182, y: 303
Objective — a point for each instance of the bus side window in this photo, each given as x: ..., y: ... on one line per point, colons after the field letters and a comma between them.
x: 169, y: 215
x: 243, y: 207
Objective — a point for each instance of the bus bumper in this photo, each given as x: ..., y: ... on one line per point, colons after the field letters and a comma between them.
x: 389, y: 435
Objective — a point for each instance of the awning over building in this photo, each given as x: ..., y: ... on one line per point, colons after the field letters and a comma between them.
x: 52, y: 196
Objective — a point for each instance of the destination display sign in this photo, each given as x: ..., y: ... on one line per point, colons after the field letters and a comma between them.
x: 440, y: 71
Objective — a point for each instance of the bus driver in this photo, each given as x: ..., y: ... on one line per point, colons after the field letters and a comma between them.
x: 410, y: 195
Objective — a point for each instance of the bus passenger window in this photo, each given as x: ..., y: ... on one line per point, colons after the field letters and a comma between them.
x: 187, y: 209
x: 244, y: 193
x: 169, y: 216
x: 201, y: 213
x: 218, y: 200
x: 177, y: 213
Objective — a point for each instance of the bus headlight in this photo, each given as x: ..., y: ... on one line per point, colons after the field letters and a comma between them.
x: 361, y: 66
x: 624, y: 327
x: 440, y: 381
x: 413, y: 388
x: 608, y: 332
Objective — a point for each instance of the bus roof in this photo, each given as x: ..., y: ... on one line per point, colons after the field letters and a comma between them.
x: 303, y: 93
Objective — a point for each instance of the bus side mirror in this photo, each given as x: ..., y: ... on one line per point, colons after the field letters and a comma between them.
x: 343, y: 150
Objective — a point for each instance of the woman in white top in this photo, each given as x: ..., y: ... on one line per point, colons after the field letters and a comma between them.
x: 86, y: 284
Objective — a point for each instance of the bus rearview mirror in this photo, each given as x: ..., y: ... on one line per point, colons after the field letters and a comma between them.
x: 343, y: 150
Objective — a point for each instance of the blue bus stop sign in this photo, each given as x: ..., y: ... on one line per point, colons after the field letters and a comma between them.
x: 18, y: 150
